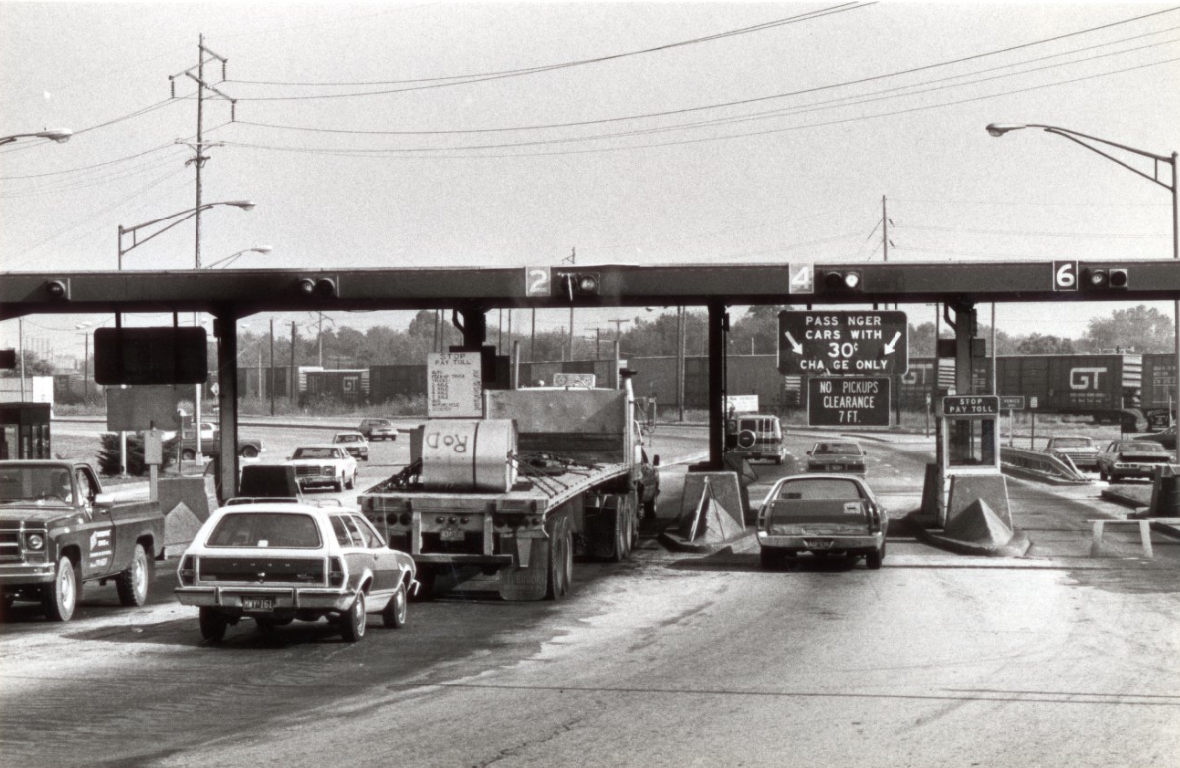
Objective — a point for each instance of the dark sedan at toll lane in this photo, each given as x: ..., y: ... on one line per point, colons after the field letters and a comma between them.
x: 1131, y: 458
x: 276, y: 562
x: 824, y: 515
x: 836, y: 456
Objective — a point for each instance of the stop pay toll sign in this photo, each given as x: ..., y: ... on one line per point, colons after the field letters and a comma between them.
x: 841, y: 343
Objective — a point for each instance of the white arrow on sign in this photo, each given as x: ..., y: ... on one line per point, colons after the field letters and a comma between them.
x: 893, y: 343
x: 796, y: 347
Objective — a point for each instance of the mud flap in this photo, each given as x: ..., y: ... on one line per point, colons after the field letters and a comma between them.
x: 530, y: 583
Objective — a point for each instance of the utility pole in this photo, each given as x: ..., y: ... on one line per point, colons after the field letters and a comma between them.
x: 571, y: 259
x: 291, y: 378
x: 619, y: 326
x: 204, y: 54
x: 271, y: 384
x: 885, y: 227
x: 320, y: 339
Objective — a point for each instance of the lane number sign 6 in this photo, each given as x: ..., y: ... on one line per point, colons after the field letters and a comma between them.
x: 1065, y: 275
x: 537, y: 281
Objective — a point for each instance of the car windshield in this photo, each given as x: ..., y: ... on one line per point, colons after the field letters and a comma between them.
x: 49, y: 484
x: 379, y: 423
x: 821, y: 488
x: 1072, y: 442
x: 315, y: 453
x: 348, y: 438
x: 821, y: 448
x: 266, y: 529
x: 1143, y: 447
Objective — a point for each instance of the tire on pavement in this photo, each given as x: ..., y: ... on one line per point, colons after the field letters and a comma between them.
x: 396, y: 612
x: 60, y: 597
x: 213, y: 623
x: 134, y: 583
x: 352, y: 628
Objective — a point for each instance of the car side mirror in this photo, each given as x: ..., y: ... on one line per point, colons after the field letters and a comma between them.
x: 104, y: 501
x: 655, y: 462
x: 809, y: 453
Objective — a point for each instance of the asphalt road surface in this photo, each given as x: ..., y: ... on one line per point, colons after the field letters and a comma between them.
x: 669, y: 659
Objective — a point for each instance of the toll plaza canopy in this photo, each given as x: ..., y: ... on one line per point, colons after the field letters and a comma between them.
x: 471, y: 291
x: 239, y: 293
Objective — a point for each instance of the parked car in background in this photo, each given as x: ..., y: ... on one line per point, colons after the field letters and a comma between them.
x: 353, y: 442
x: 323, y: 465
x: 836, y: 456
x: 1131, y: 458
x: 1080, y: 450
x: 378, y: 429
x: 824, y: 515
x: 280, y: 561
x: 1166, y: 438
x: 248, y: 447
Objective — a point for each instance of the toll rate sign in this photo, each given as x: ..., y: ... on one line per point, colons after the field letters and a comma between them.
x: 848, y: 401
x: 837, y: 343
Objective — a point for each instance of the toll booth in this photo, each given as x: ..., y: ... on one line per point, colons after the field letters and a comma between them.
x: 968, y: 459
x: 24, y: 431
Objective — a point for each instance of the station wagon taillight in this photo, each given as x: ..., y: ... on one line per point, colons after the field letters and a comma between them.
x: 187, y: 573
x: 335, y: 572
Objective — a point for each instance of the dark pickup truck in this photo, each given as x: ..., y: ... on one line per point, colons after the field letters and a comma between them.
x: 58, y: 529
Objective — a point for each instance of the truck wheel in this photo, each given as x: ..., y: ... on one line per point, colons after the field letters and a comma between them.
x: 188, y: 454
x: 395, y: 612
x: 133, y: 583
x: 61, y: 597
x: 249, y: 452
x: 610, y: 533
x: 649, y: 506
x: 351, y: 483
x: 353, y: 626
x: 213, y: 623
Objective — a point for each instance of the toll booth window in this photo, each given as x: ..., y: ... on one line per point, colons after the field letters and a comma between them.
x: 973, y: 443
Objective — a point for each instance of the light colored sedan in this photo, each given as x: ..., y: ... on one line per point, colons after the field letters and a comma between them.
x: 276, y: 562
x: 323, y: 465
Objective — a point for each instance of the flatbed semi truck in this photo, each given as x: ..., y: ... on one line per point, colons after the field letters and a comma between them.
x: 547, y: 474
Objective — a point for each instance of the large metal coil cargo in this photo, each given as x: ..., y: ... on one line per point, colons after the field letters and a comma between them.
x: 462, y: 455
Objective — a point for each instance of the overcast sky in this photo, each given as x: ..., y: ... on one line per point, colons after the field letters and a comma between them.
x: 414, y: 134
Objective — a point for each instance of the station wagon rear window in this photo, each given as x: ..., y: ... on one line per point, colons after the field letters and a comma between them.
x: 266, y: 529
x: 820, y: 489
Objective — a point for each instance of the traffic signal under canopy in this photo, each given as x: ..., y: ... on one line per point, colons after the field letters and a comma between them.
x: 581, y: 283
x: 843, y: 280
x: 59, y: 289
x: 1106, y: 278
x: 321, y: 288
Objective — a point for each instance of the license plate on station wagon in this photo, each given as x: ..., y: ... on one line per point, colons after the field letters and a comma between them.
x: 451, y: 534
x: 258, y: 603
x: 818, y: 543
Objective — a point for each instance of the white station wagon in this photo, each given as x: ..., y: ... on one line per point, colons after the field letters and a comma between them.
x: 279, y: 561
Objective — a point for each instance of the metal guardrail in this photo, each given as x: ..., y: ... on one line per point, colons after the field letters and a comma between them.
x: 1041, y: 463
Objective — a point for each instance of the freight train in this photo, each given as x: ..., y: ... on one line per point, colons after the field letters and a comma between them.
x: 1136, y: 390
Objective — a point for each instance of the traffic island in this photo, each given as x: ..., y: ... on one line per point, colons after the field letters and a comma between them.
x: 711, y: 514
x: 976, y: 530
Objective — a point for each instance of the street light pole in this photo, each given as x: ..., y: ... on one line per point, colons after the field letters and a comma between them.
x: 233, y: 256
x: 245, y: 205
x: 999, y: 129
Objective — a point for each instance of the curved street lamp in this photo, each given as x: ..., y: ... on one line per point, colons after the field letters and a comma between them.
x: 245, y: 205
x: 59, y: 135
x: 229, y: 259
x: 999, y: 129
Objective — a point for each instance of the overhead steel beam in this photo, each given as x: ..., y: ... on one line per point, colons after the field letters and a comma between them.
x: 276, y: 290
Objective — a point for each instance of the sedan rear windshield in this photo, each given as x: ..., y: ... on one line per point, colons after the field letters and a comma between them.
x: 1143, y: 447
x: 266, y: 529
x: 1073, y: 442
x: 821, y: 488
x: 836, y: 448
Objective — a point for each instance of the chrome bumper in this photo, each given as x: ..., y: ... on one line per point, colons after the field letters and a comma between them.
x: 840, y: 542
x: 284, y: 597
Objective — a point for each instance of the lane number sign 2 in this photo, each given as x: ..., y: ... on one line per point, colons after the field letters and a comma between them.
x: 537, y: 281
x: 1065, y: 275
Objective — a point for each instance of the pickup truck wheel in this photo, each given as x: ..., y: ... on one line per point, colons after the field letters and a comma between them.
x: 188, y: 454
x: 249, y: 452
x: 133, y: 583
x: 770, y: 558
x: 353, y: 626
x: 61, y: 597
x: 213, y: 623
x: 395, y: 612
x: 874, y: 559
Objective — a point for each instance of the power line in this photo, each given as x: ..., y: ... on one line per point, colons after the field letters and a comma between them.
x: 1096, y: 235
x: 436, y: 82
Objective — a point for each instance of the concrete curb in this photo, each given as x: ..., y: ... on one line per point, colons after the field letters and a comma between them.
x: 1017, y: 547
x: 1039, y: 477
x: 677, y: 543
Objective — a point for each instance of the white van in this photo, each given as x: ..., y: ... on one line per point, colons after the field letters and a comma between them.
x: 755, y: 436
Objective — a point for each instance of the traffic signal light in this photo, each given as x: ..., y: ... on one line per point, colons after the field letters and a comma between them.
x: 847, y: 280
x: 1105, y: 278
x: 59, y: 289
x: 321, y: 288
x: 581, y: 283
